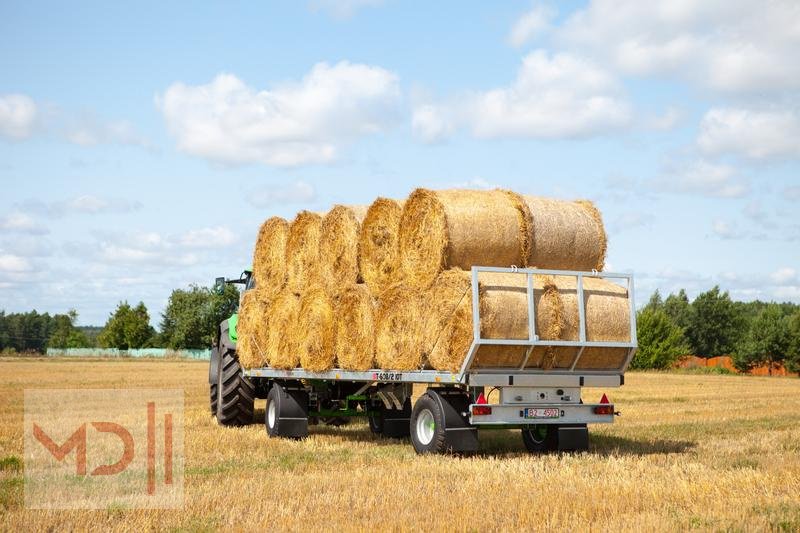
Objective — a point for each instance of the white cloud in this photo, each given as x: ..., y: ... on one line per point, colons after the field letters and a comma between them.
x: 553, y: 97
x: 215, y: 237
x: 726, y: 230
x: 13, y: 263
x: 298, y: 192
x: 84, y: 204
x: 728, y: 45
x: 18, y: 115
x: 792, y: 193
x: 704, y: 178
x: 18, y: 222
x: 531, y: 24
x: 341, y: 9
x: 292, y: 124
x: 89, y: 130
x: 784, y: 275
x: 430, y: 125
x: 751, y: 133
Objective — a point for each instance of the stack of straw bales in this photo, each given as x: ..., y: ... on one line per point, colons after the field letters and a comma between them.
x: 388, y: 285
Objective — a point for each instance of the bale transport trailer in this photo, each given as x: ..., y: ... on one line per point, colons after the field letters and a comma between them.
x: 545, y: 404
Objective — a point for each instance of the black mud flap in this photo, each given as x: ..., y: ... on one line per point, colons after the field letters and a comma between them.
x: 460, y: 436
x: 396, y: 421
x: 573, y: 438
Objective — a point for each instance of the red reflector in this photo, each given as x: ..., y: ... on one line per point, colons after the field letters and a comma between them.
x: 606, y: 409
x: 481, y: 399
x: 604, y: 399
x: 481, y: 410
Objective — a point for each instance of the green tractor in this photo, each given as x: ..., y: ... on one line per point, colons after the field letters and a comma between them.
x: 232, y: 394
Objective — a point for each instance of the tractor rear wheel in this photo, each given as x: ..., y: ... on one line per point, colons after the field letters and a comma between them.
x: 235, y: 392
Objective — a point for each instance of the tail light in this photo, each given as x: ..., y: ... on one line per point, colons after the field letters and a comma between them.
x: 605, y: 409
x: 481, y: 410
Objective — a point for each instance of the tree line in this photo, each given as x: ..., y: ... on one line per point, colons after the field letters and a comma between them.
x: 753, y: 334
x: 189, y: 321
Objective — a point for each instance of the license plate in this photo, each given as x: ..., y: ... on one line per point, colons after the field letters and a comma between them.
x: 538, y: 412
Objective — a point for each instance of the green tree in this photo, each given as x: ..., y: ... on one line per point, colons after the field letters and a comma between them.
x: 768, y: 341
x: 655, y: 302
x: 191, y: 317
x: 678, y: 309
x: 127, y: 328
x: 661, y: 341
x: 715, y: 324
x: 64, y: 333
x: 793, y: 357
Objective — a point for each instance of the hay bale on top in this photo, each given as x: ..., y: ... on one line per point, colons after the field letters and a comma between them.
x: 399, y: 328
x: 302, y: 250
x: 280, y: 344
x: 338, y: 245
x: 460, y: 228
x: 564, y: 235
x: 253, y: 327
x: 313, y: 335
x: 354, y: 340
x: 378, y: 244
x: 269, y: 258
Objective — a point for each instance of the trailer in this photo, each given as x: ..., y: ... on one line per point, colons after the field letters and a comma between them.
x: 545, y: 404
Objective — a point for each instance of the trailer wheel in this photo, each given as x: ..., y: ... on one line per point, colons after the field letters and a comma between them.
x: 235, y: 392
x: 286, y: 414
x: 213, y: 378
x: 540, y: 438
x: 427, y: 426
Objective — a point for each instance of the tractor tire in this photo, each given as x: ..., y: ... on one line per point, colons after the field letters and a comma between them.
x: 213, y: 378
x: 235, y: 392
x: 540, y: 438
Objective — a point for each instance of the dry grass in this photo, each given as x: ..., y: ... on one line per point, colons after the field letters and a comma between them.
x: 690, y: 452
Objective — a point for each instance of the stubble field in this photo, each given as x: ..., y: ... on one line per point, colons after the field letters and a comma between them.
x: 690, y: 452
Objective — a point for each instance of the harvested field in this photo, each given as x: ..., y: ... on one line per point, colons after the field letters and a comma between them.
x: 690, y: 452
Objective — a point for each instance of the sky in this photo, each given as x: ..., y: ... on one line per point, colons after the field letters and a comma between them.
x: 141, y: 145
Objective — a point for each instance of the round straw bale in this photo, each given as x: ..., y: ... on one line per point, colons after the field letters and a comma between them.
x: 313, y: 335
x: 302, y: 250
x: 283, y: 316
x: 504, y: 315
x: 354, y: 342
x: 378, y: 244
x: 460, y: 228
x: 564, y: 235
x: 444, y: 296
x: 399, y: 328
x: 338, y: 245
x: 269, y: 259
x: 252, y: 328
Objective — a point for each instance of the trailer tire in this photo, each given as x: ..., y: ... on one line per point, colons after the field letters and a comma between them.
x: 213, y: 379
x: 235, y: 392
x: 428, y: 426
x: 286, y: 414
x: 540, y: 438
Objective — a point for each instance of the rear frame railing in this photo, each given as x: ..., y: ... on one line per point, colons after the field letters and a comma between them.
x: 533, y: 339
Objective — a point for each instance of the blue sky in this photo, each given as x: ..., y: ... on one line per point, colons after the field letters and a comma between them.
x: 141, y: 147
